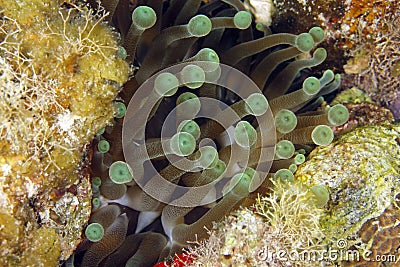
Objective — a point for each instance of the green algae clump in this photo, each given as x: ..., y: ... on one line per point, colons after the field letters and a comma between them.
x: 60, y: 74
x: 362, y: 174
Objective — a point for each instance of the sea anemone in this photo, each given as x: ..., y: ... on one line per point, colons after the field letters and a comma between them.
x: 212, y: 104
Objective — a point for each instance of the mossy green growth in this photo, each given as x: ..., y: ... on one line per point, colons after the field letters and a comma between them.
x: 360, y: 170
x: 351, y: 96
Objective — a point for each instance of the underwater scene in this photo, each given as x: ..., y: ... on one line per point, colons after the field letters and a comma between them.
x: 171, y: 133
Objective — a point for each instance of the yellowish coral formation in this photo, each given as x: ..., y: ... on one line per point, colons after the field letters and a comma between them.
x: 285, y: 222
x: 362, y: 173
x: 59, y: 77
x: 358, y: 223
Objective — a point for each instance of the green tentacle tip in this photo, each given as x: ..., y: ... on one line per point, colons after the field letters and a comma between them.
x: 144, y: 17
x: 321, y: 194
x: 238, y: 185
x: 101, y: 131
x: 121, y: 52
x: 311, y: 86
x: 304, y: 42
x: 166, y: 84
x: 338, y: 115
x: 193, y: 76
x: 219, y: 169
x: 190, y: 126
x: 96, y: 181
x: 120, y: 110
x: 103, y: 146
x: 242, y: 20
x: 284, y: 175
x: 260, y: 27
x: 317, y: 33
x: 284, y: 149
x: 285, y: 121
x: 96, y: 203
x: 292, y: 168
x: 182, y: 144
x: 187, y: 96
x: 199, y: 26
x: 208, y: 54
x: 320, y: 54
x: 327, y: 77
x: 208, y: 157
x: 120, y: 172
x: 299, y: 159
x: 245, y: 135
x: 322, y: 135
x: 256, y: 104
x: 94, y: 232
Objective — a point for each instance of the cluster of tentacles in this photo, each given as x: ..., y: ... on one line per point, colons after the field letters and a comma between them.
x: 267, y: 140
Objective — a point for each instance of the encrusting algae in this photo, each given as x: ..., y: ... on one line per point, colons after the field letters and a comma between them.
x: 360, y: 173
x: 60, y: 74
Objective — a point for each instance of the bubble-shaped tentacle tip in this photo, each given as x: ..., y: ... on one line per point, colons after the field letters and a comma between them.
x: 187, y: 96
x: 192, y: 106
x: 304, y: 42
x: 256, y: 104
x: 239, y: 185
x: 182, y: 144
x: 322, y: 135
x: 210, y: 56
x: 191, y: 127
x: 121, y: 52
x: 320, y: 54
x: 166, y: 84
x: 317, y: 33
x: 120, y: 110
x: 103, y: 146
x: 94, y: 232
x: 193, y: 76
x: 284, y: 149
x: 120, y: 172
x: 219, y: 168
x: 245, y: 135
x: 299, y: 159
x: 255, y: 178
x: 327, y: 77
x: 285, y: 121
x: 242, y: 20
x: 96, y: 181
x: 321, y: 194
x: 144, y: 17
x: 208, y: 157
x: 199, y: 26
x: 311, y: 86
x: 96, y: 202
x: 284, y: 175
x: 338, y: 115
x: 292, y: 167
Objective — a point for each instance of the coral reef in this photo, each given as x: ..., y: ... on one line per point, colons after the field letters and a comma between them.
x: 59, y: 76
x: 351, y: 219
